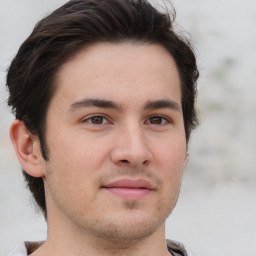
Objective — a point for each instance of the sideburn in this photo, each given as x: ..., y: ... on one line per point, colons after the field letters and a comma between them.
x: 43, y: 147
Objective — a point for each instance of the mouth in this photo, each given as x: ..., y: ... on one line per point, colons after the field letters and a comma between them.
x: 130, y: 189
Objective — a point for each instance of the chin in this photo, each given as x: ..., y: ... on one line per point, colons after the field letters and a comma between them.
x: 129, y: 228
x: 125, y: 233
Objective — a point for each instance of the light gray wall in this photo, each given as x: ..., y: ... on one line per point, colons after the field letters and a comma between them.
x: 217, y: 208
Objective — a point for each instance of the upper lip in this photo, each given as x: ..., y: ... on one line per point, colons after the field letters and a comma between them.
x: 129, y: 183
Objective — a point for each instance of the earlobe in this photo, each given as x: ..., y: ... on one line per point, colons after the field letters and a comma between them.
x: 27, y: 147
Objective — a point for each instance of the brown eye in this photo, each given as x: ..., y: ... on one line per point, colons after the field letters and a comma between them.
x: 157, y: 120
x: 97, y: 119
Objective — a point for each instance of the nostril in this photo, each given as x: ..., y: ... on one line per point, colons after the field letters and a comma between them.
x: 124, y: 161
x: 146, y: 163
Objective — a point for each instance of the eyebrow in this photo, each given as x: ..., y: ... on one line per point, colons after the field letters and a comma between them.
x: 108, y: 104
x: 100, y: 103
x: 166, y: 103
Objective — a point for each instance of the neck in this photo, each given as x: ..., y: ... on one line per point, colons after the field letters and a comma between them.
x: 66, y: 243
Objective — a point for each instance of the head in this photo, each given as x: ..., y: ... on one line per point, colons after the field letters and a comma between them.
x: 80, y: 24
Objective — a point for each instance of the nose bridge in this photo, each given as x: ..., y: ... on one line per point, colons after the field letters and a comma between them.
x: 135, y: 138
x: 132, y: 146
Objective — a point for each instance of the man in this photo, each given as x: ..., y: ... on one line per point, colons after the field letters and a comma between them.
x: 103, y: 92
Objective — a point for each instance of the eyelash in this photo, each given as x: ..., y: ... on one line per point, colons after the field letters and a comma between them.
x: 162, y: 118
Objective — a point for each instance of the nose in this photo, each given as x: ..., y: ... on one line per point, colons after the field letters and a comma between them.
x: 130, y: 148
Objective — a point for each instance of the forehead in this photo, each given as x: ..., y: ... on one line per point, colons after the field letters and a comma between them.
x: 104, y: 70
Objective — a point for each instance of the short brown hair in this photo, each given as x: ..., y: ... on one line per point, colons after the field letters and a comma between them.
x: 79, y: 23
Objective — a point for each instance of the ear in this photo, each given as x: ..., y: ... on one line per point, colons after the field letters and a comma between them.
x: 27, y: 147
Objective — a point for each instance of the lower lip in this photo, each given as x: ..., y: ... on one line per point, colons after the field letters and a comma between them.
x: 130, y: 193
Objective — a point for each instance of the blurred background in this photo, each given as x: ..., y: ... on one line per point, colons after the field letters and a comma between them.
x: 216, y: 211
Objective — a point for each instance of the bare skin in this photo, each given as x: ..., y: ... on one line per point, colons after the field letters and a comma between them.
x: 117, y: 149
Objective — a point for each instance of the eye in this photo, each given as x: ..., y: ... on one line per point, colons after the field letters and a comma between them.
x: 96, y: 120
x: 157, y: 120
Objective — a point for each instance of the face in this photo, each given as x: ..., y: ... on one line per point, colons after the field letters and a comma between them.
x: 116, y: 141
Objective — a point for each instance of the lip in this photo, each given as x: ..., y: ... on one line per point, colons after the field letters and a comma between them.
x: 129, y: 183
x: 130, y: 189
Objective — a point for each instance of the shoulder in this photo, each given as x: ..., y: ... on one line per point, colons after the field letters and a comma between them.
x: 179, y: 248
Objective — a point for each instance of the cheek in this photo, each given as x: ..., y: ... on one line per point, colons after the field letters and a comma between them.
x: 172, y: 155
x: 171, y: 161
x: 76, y: 150
x: 75, y: 161
x: 172, y: 164
x: 70, y: 179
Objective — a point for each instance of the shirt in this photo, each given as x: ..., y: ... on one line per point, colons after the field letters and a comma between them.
x: 26, y: 248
